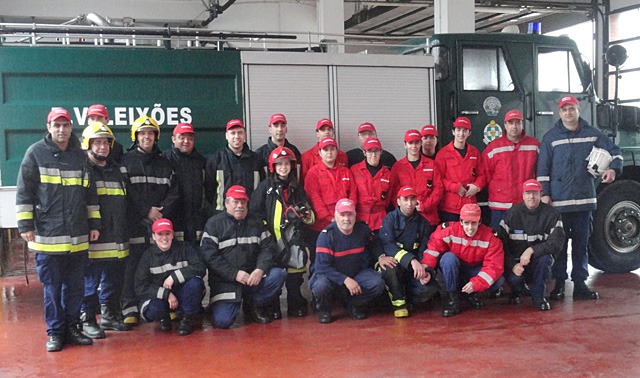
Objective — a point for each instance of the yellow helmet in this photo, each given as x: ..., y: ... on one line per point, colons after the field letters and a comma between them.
x: 142, y: 123
x: 96, y: 130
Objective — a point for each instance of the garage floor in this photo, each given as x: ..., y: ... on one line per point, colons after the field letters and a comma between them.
x: 595, y: 338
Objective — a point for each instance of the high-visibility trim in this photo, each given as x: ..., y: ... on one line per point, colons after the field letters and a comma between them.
x: 400, y: 254
x: 586, y: 201
x: 179, y: 276
x: 199, y: 235
x: 223, y: 297
x: 458, y: 240
x: 108, y: 254
x: 58, y: 247
x: 433, y: 253
x: 129, y: 311
x: 559, y: 142
x: 277, y: 221
x: 24, y: 215
x: 138, y: 240
x: 178, y: 235
x: 486, y: 277
x: 296, y: 270
x: 24, y: 208
x: 205, y: 235
x: 111, y: 191
x: 500, y: 205
x: 220, y: 181
x: 93, y: 212
x: 143, y: 309
x: 398, y: 303
x: 168, y: 267
x: 256, y: 179
x: 160, y: 293
x: 150, y: 180
x: 543, y: 178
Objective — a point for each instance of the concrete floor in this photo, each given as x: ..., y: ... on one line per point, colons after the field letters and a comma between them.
x: 574, y: 339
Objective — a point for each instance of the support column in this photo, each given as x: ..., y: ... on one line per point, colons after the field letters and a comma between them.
x: 454, y: 16
x: 331, y: 20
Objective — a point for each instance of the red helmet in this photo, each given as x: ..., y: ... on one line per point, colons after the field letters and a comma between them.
x: 281, y: 154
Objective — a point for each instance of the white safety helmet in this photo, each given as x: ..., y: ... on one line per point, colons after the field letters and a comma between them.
x: 598, y: 161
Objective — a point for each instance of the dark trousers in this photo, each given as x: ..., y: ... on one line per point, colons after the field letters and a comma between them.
x: 537, y: 273
x: 578, y: 227
x: 189, y: 296
x: 106, y: 274
x: 224, y: 313
x: 129, y: 299
x: 62, y: 278
x: 403, y: 286
x: 456, y: 273
x: 496, y: 218
x: 369, y: 280
x: 448, y: 217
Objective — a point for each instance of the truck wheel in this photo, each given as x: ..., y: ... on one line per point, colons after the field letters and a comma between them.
x: 615, y: 242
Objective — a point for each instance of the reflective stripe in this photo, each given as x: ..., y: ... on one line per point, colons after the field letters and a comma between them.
x: 138, y: 240
x: 67, y: 178
x: 559, y: 142
x: 486, y: 277
x: 501, y: 205
x: 220, y: 181
x: 178, y: 235
x: 150, y: 180
x: 25, y: 215
x: 59, y: 247
x: 499, y: 150
x: 401, y: 253
x: 130, y: 311
x: 93, y: 212
x: 160, y: 293
x: 168, y: 267
x: 433, y: 253
x: 205, y: 235
x: 458, y: 240
x: 256, y: 179
x: 249, y: 239
x: 180, y: 276
x: 585, y: 201
x: 108, y: 250
x: 134, y: 310
x: 398, y: 303
x: 223, y: 296
x: 24, y: 208
x: 277, y: 221
x: 543, y: 178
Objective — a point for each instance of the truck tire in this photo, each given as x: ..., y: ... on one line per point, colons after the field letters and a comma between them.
x: 615, y: 241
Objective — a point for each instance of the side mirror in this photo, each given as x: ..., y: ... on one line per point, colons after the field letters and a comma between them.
x: 604, y: 116
x: 616, y: 55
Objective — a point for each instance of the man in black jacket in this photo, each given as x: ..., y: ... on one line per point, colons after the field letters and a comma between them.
x: 169, y: 278
x: 532, y: 234
x: 278, y: 138
x: 238, y: 250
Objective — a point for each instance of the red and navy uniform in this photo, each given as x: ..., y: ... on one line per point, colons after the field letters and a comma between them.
x: 374, y: 194
x: 425, y: 179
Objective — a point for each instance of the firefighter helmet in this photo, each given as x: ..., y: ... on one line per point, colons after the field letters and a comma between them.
x: 281, y: 154
x: 144, y: 123
x: 598, y: 161
x: 96, y: 130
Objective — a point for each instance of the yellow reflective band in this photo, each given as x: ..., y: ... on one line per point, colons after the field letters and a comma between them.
x: 70, y: 181
x: 400, y: 255
x: 277, y: 220
x: 416, y: 246
x: 67, y: 181
x: 398, y: 303
x: 46, y: 179
x: 24, y: 215
x: 109, y: 254
x: 59, y: 248
x: 295, y: 270
x: 110, y: 192
x: 93, y: 214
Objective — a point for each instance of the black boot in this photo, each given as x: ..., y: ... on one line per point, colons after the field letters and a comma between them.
x: 275, y: 309
x: 356, y: 312
x: 184, y: 328
x: 165, y: 324
x: 541, y: 304
x: 452, y: 304
x: 323, y: 310
x: 261, y: 314
x: 582, y: 291
x: 475, y: 301
x: 75, y: 337
x: 54, y: 343
x: 109, y: 320
x: 91, y: 327
x: 558, y: 290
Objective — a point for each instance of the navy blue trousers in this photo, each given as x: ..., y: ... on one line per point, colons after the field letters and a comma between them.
x: 578, y: 227
x: 106, y: 274
x: 189, y: 296
x: 456, y: 273
x: 537, y: 273
x: 369, y: 280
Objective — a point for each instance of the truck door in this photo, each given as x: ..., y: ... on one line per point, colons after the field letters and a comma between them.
x: 490, y: 84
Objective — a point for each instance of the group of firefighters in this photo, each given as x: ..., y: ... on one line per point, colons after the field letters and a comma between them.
x: 133, y: 235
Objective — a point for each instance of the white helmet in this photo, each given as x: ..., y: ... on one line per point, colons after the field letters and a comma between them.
x: 598, y: 161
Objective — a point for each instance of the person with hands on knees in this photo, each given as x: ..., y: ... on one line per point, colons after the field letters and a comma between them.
x: 169, y: 278
x: 532, y: 234
x: 343, y: 268
x: 466, y: 251
x: 404, y: 235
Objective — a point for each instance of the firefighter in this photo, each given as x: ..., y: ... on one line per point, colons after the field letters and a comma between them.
x: 462, y: 175
x: 325, y: 184
x: 346, y: 250
x: 99, y: 113
x: 404, y: 237
x: 420, y: 173
x: 311, y: 157
x: 465, y: 251
x: 532, y: 234
x: 429, y: 141
x: 233, y: 164
x: 570, y: 189
x: 278, y: 127
x: 189, y: 167
x: 105, y: 268
x: 58, y: 215
x: 153, y: 194
x: 238, y: 250
x: 510, y: 161
x: 282, y: 203
x: 373, y: 183
x: 368, y: 130
x: 169, y: 278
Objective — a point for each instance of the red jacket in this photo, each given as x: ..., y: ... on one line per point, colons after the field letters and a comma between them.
x: 509, y: 165
x: 426, y: 180
x: 457, y: 171
x: 312, y: 157
x: 374, y: 194
x: 324, y: 187
x: 484, y: 248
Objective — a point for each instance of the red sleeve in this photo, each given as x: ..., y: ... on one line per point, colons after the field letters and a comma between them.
x: 492, y: 265
x: 448, y: 185
x: 435, y: 247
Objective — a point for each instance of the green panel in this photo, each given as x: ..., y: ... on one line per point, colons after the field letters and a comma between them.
x: 200, y: 86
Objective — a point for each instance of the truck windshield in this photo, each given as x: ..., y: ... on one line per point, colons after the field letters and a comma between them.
x: 485, y: 69
x: 557, y: 72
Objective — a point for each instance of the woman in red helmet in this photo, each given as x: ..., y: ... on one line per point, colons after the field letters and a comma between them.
x: 283, y: 204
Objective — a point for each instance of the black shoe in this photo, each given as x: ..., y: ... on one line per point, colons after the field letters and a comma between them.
x: 297, y: 312
x: 54, y: 344
x: 496, y: 293
x: 75, y: 337
x: 109, y: 320
x: 93, y: 330
x: 558, y: 291
x: 541, y: 304
x: 356, y: 313
x: 582, y: 291
x: 165, y: 325
x: 184, y: 328
x: 277, y: 312
x: 261, y: 315
x: 514, y: 298
x: 475, y: 301
x: 324, y: 316
x: 452, y: 304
